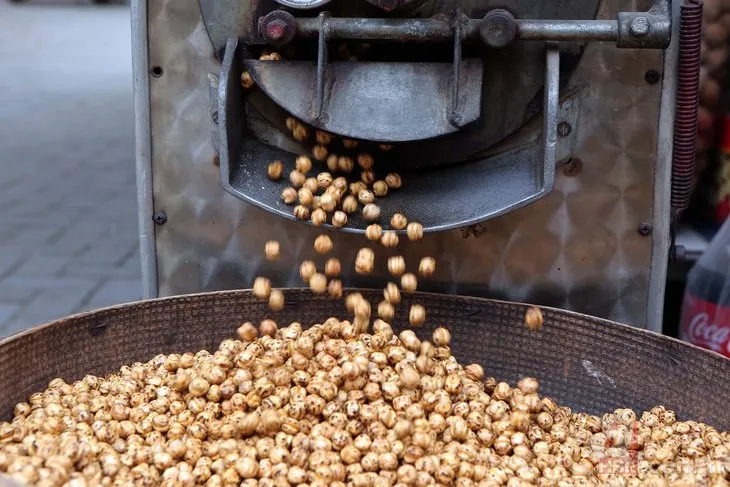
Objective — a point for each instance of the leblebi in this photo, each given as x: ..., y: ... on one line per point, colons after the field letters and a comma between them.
x: 276, y: 300
x: 414, y: 231
x: 417, y: 315
x: 332, y: 267
x: 323, y: 244
x: 339, y: 219
x: 373, y: 232
x: 271, y: 250
x: 303, y: 164
x: 297, y: 179
x: 427, y: 266
x: 398, y: 221
x: 393, y: 180
x: 371, y: 212
x: 389, y: 240
x: 262, y: 287
x: 318, y: 283
x: 289, y: 196
x: 396, y: 265
x: 274, y: 170
x: 408, y: 282
x: 306, y: 270
x: 365, y: 261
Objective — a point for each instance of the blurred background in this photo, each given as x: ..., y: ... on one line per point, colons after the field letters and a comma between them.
x: 68, y: 215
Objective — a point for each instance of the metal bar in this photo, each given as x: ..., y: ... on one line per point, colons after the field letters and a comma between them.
x: 567, y: 30
x: 455, y: 118
x: 550, y: 114
x: 437, y: 30
x: 321, y: 63
x: 143, y: 149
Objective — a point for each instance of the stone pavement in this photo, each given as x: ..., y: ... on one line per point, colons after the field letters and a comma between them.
x: 68, y: 222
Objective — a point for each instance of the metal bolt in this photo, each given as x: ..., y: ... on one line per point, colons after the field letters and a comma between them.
x: 573, y: 167
x: 498, y: 29
x: 652, y: 76
x: 275, y: 29
x: 639, y: 26
x: 564, y: 129
x: 278, y: 27
x: 645, y: 229
x: 160, y: 217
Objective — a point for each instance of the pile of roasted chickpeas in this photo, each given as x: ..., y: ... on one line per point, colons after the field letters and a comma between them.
x: 340, y: 403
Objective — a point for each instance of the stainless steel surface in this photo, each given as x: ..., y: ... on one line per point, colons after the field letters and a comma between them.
x: 143, y: 148
x: 373, y: 101
x: 578, y: 248
x: 550, y: 116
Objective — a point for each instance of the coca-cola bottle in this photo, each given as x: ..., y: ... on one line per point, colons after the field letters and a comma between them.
x: 706, y: 308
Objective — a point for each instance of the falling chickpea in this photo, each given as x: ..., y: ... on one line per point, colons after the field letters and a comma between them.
x: 427, y: 266
x: 398, y: 221
x: 247, y: 80
x: 417, y: 315
x: 319, y: 152
x: 328, y: 202
x: 312, y: 185
x: 332, y: 267
x: 373, y: 232
x: 414, y: 231
x: 391, y: 293
x: 261, y: 288
x: 386, y: 311
x: 396, y: 265
x: 346, y: 164
x: 349, y: 143
x: 367, y: 176
x: 274, y: 170
x: 380, y: 188
x: 323, y: 244
x: 271, y: 250
x: 533, y: 318
x: 332, y: 163
x: 364, y: 261
x: 297, y: 179
x: 334, y: 288
x: 318, y: 283
x: 307, y: 269
x: 305, y: 196
x: 393, y: 180
x: 371, y: 212
x: 389, y: 240
x: 276, y: 300
x: 319, y: 217
x: 408, y: 282
x: 365, y: 160
x: 301, y: 212
x: 365, y: 197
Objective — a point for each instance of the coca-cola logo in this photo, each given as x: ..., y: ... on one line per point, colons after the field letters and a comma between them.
x: 711, y: 335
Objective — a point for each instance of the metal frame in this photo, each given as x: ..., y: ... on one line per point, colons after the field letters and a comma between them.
x: 662, y: 193
x: 143, y: 148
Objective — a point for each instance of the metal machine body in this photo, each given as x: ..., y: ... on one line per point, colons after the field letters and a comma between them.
x: 594, y: 237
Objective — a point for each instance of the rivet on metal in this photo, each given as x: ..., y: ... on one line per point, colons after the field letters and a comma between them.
x: 652, y: 76
x: 160, y: 217
x: 564, y: 129
x: 645, y: 229
x: 639, y: 26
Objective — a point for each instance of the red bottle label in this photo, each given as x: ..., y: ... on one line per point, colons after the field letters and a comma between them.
x: 706, y: 324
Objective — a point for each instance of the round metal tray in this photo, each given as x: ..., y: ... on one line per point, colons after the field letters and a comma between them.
x: 586, y: 363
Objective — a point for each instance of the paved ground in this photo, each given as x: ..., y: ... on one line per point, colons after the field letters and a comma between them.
x: 68, y: 224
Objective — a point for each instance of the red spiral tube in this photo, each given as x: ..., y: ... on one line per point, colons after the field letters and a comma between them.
x: 688, y: 83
